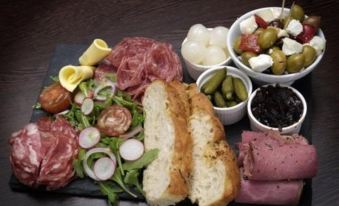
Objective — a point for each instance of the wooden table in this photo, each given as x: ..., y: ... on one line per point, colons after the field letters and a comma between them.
x: 31, y: 29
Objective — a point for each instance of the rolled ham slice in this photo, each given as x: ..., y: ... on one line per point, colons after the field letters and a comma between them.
x: 272, y: 157
x: 270, y: 193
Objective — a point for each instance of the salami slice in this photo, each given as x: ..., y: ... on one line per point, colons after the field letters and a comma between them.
x: 138, y: 61
x: 42, y: 153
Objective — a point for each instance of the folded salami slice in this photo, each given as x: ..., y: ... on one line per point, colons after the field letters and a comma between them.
x: 270, y: 156
x: 270, y: 193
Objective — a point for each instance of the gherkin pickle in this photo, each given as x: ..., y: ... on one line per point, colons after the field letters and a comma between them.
x: 227, y: 88
x: 240, y: 89
x: 231, y: 103
x: 295, y: 63
x: 219, y: 100
x: 214, y: 82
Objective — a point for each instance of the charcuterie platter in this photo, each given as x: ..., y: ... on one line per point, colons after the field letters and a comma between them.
x: 121, y: 115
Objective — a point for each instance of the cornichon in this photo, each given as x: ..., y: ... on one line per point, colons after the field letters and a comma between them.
x: 227, y: 88
x: 213, y: 83
x: 231, y: 103
x: 219, y: 100
x: 240, y: 89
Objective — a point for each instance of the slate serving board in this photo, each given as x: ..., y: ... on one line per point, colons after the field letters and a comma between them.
x: 69, y: 53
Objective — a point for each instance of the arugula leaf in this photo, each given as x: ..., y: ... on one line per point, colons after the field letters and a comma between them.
x: 110, y: 190
x: 137, y: 118
x: 114, y: 145
x: 143, y: 161
x: 117, y: 177
x: 132, y: 178
x: 54, y: 78
x: 140, y: 136
x: 78, y: 168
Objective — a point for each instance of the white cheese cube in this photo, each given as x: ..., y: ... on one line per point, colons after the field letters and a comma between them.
x: 266, y: 15
x: 318, y: 44
x: 294, y: 27
x: 291, y: 46
x: 261, y: 63
x: 282, y: 33
x: 248, y: 26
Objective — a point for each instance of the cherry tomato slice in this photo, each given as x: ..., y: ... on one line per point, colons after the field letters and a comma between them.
x: 249, y: 42
x: 114, y: 120
x: 260, y: 21
x: 307, y: 34
x: 55, y: 98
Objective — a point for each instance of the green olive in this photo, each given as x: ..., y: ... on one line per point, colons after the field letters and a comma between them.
x: 267, y: 38
x: 286, y: 21
x: 259, y: 31
x: 313, y: 21
x: 310, y: 55
x: 297, y: 12
x: 236, y: 45
x: 246, y: 56
x: 279, y: 62
x: 295, y: 63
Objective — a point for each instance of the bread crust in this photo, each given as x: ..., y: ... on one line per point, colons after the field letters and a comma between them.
x: 219, y: 147
x: 182, y: 154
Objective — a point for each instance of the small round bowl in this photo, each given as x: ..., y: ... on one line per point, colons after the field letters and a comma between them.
x: 233, y: 114
x: 261, y: 78
x: 195, y: 70
x: 292, y: 129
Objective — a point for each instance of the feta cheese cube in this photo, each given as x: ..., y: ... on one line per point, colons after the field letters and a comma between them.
x: 248, y: 26
x: 294, y: 27
x: 266, y: 15
x: 282, y: 33
x: 318, y: 44
x: 291, y: 46
x: 261, y: 63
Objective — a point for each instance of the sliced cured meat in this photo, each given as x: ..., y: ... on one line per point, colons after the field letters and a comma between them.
x: 139, y: 61
x: 26, y: 154
x: 270, y: 193
x: 114, y: 120
x: 42, y: 153
x: 271, y: 157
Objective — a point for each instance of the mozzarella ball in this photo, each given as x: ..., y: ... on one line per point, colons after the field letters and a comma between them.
x: 199, y: 33
x: 218, y: 36
x: 214, y: 55
x: 193, y: 51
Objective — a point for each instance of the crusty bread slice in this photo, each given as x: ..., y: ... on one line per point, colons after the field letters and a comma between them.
x: 166, y: 112
x: 215, y: 178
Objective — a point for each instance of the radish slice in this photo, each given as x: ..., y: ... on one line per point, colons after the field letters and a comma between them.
x: 131, y: 149
x: 132, y: 133
x: 87, y: 106
x: 87, y: 169
x: 79, y: 98
x: 102, y: 86
x: 89, y: 137
x: 104, y: 168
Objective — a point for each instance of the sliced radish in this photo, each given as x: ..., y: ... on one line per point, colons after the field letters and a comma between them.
x: 87, y: 169
x: 131, y: 149
x: 87, y: 106
x: 89, y: 137
x: 79, y: 98
x: 104, y: 168
x: 132, y: 133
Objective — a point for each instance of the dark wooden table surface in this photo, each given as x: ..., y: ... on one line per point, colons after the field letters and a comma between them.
x: 30, y: 31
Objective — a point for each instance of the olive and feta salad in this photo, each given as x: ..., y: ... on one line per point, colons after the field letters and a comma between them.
x: 205, y: 46
x: 274, y: 43
x: 224, y: 90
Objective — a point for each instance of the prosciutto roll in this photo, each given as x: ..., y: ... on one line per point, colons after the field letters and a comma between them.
x: 270, y: 193
x: 273, y: 157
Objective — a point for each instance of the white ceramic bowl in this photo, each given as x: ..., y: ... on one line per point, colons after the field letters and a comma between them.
x: 195, y: 70
x: 258, y: 77
x: 293, y: 129
x: 233, y: 114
